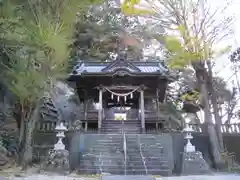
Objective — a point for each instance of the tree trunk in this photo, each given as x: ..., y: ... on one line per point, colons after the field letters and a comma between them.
x: 202, y: 77
x: 213, y: 97
x: 21, y: 140
x: 27, y: 154
x: 211, y: 129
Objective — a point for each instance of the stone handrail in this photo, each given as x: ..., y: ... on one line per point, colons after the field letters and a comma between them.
x: 125, y: 153
x: 200, y: 128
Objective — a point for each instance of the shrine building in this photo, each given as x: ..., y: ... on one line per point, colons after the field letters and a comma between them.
x: 127, y: 93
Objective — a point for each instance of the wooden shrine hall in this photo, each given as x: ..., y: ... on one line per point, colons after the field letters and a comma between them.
x: 134, y: 88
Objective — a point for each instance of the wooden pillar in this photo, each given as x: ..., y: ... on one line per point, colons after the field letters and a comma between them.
x: 85, y: 113
x: 142, y: 109
x: 100, y: 109
x: 157, y: 106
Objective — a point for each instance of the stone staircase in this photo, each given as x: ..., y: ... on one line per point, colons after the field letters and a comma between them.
x: 117, y: 126
x: 146, y: 155
x: 102, y: 154
x: 135, y: 165
x: 157, y: 154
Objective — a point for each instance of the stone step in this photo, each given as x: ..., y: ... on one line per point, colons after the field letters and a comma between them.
x: 109, y: 169
x: 103, y: 166
x: 121, y: 127
x: 153, y: 153
x: 97, y: 155
x: 137, y: 167
x: 139, y: 159
x: 107, y: 144
x: 104, y: 152
x: 120, y: 124
x: 120, y: 131
x: 100, y: 148
x: 94, y: 171
x: 106, y: 141
x: 111, y: 128
x: 128, y: 120
x: 125, y: 128
x: 151, y: 172
x: 132, y: 157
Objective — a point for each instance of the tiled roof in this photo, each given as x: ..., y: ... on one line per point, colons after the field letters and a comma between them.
x: 98, y: 67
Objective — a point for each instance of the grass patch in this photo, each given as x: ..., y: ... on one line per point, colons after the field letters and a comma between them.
x: 156, y: 176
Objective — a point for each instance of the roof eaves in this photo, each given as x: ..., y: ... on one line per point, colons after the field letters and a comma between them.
x: 79, y: 69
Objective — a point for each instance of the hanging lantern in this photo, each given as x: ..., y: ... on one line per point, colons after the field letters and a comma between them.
x: 131, y: 95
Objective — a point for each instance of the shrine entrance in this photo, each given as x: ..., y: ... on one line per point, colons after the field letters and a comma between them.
x: 118, y: 84
x: 120, y: 108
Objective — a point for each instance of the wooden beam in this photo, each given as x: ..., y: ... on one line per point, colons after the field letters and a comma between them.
x: 115, y: 87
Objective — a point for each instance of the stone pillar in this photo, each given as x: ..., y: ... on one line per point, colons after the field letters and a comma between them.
x: 100, y: 109
x: 142, y: 109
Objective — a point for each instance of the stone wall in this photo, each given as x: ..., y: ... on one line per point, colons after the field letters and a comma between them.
x: 44, y: 140
x: 201, y: 142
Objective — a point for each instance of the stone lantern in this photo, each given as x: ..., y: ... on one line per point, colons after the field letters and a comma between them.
x: 189, y: 147
x: 58, y: 157
x: 192, y: 160
x: 60, y: 129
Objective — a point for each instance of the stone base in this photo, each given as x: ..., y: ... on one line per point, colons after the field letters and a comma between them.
x: 194, y: 164
x: 57, y: 161
x: 3, y: 160
x: 3, y: 156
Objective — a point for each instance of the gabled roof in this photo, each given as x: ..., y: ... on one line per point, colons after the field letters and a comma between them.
x: 107, y: 67
x: 120, y: 66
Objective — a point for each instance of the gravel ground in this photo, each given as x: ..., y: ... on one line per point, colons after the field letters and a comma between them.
x: 58, y: 177
x: 205, y: 177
